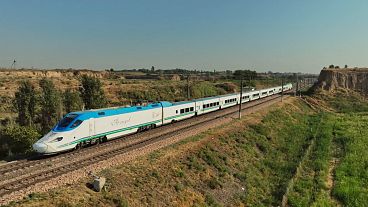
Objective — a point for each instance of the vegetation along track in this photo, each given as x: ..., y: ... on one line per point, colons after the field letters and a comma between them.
x: 25, y: 173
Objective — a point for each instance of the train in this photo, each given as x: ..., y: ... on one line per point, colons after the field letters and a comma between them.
x: 79, y: 129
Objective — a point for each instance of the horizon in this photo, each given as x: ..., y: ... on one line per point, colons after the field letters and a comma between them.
x: 157, y: 69
x: 282, y: 36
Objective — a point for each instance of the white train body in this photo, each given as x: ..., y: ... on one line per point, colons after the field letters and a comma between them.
x: 87, y: 127
x: 178, y: 111
x: 206, y: 105
x: 229, y: 100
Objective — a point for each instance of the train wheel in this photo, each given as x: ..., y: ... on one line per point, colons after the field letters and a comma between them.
x: 78, y: 146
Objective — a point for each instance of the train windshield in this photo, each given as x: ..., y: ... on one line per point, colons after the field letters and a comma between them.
x: 67, y: 120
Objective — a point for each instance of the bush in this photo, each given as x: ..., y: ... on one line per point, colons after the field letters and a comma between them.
x: 17, y: 140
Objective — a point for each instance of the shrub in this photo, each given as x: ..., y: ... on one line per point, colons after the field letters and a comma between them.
x: 17, y: 140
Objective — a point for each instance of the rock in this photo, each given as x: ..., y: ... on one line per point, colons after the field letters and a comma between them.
x: 99, y: 183
x: 349, y: 78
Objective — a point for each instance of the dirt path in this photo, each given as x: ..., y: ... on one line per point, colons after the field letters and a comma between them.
x: 330, y: 182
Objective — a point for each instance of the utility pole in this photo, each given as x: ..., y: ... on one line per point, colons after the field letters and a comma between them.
x: 188, y: 92
x: 297, y: 85
x: 241, y: 96
x: 13, y: 64
x: 282, y: 88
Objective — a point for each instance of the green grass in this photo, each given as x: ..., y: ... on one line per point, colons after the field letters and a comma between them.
x: 352, y: 173
x: 345, y: 101
x: 261, y: 158
x: 310, y: 185
x: 344, y: 136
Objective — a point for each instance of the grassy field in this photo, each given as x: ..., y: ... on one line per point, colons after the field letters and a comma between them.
x: 351, y: 174
x: 334, y: 173
x: 310, y: 186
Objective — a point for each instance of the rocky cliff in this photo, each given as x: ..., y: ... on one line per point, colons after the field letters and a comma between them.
x: 349, y: 78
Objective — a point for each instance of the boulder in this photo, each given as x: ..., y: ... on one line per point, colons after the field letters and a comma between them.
x: 98, y: 183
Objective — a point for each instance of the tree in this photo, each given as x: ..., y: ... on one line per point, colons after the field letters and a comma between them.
x: 25, y: 103
x: 152, y: 69
x: 72, y: 101
x: 245, y: 74
x: 50, y: 105
x: 331, y: 66
x: 91, y: 92
x: 17, y: 140
x: 346, y: 66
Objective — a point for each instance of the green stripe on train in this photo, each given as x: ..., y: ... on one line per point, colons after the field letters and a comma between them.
x: 110, y: 132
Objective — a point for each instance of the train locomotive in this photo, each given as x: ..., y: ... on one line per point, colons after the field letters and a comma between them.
x: 78, y: 129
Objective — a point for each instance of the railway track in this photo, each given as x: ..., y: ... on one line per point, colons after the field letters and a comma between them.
x: 25, y: 173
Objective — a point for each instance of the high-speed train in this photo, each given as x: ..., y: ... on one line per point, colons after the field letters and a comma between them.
x: 78, y: 129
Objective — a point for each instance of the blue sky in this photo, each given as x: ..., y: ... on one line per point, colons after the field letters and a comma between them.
x: 277, y: 35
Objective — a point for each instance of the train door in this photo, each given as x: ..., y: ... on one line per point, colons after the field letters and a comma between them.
x: 91, y: 127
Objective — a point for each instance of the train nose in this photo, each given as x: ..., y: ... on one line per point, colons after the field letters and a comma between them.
x: 40, y: 147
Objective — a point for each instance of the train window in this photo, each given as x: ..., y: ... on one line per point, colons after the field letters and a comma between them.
x: 67, y: 120
x: 176, y: 111
x: 76, y: 123
x: 187, y: 110
x: 191, y: 108
x: 181, y: 111
x: 101, y: 113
